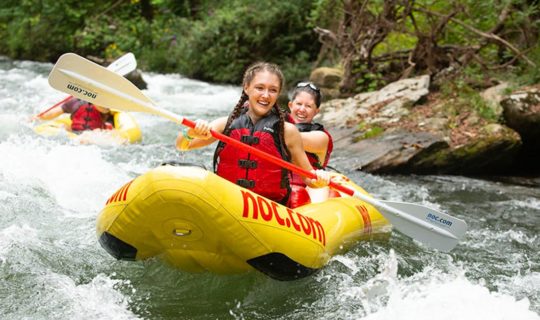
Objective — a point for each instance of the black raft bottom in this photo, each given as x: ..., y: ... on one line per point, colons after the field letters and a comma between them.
x: 117, y: 248
x: 280, y: 267
x: 275, y: 265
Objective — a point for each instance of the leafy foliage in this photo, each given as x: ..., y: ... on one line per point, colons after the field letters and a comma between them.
x: 378, y: 44
x: 465, y: 98
x: 375, y: 41
x: 208, y: 40
x: 221, y: 47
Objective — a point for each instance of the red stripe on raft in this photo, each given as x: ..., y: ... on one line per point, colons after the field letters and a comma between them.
x: 365, y: 217
x: 110, y: 199
x: 121, y: 194
x: 118, y: 193
x: 124, y: 195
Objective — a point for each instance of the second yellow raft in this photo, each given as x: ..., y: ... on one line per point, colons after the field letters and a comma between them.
x: 126, y: 129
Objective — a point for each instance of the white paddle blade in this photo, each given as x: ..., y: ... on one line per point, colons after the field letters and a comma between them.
x: 76, y: 75
x: 124, y: 65
x: 453, y: 225
x: 431, y: 227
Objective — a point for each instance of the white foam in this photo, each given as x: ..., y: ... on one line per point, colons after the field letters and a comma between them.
x: 98, y: 299
x: 78, y: 176
x: 527, y: 285
x: 15, y: 234
x: 431, y: 293
x: 167, y: 90
x: 452, y: 300
x: 484, y: 238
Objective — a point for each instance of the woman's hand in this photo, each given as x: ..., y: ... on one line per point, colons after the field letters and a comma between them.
x: 322, y: 180
x: 201, y: 130
x: 199, y: 136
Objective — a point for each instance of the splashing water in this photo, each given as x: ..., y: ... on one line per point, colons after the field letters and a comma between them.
x: 51, y: 266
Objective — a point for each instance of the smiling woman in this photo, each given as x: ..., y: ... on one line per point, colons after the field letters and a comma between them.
x: 317, y: 142
x: 260, y: 123
x: 304, y: 106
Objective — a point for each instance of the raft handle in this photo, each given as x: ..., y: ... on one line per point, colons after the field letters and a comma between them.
x: 181, y: 232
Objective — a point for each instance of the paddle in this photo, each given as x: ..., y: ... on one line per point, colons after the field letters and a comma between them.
x: 89, y: 81
x: 123, y: 65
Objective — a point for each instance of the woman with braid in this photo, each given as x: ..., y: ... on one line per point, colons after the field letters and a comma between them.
x: 261, y: 125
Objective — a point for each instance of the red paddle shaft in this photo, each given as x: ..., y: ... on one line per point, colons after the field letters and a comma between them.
x: 269, y: 157
x: 57, y: 104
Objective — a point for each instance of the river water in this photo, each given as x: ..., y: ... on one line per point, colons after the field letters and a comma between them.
x: 52, y: 267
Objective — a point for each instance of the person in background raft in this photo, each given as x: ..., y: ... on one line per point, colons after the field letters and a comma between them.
x: 84, y: 115
x: 304, y: 106
x: 262, y: 125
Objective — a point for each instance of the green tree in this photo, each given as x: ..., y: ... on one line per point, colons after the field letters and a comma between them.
x: 382, y: 41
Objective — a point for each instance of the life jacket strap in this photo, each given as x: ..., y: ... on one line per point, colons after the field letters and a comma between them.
x: 246, y: 183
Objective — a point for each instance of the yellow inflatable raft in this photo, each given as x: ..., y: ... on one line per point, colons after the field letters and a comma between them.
x: 197, y: 221
x: 126, y: 128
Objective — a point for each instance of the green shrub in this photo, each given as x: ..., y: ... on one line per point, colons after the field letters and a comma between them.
x: 220, y: 47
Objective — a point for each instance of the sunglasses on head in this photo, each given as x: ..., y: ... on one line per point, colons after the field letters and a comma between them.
x: 308, y: 84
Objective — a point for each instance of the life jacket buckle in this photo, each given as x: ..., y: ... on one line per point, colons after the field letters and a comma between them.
x: 246, y: 183
x: 250, y: 140
x: 248, y: 164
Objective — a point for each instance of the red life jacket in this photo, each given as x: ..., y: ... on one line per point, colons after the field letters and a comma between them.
x: 248, y: 170
x: 312, y: 157
x: 86, y: 117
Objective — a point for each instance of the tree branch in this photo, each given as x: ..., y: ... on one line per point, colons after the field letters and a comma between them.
x: 486, y: 35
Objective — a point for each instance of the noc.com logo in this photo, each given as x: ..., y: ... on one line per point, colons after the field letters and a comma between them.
x: 432, y: 217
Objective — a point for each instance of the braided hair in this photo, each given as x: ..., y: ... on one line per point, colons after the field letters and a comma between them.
x: 249, y: 75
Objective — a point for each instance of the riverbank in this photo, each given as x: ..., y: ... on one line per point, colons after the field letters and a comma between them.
x: 407, y: 127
